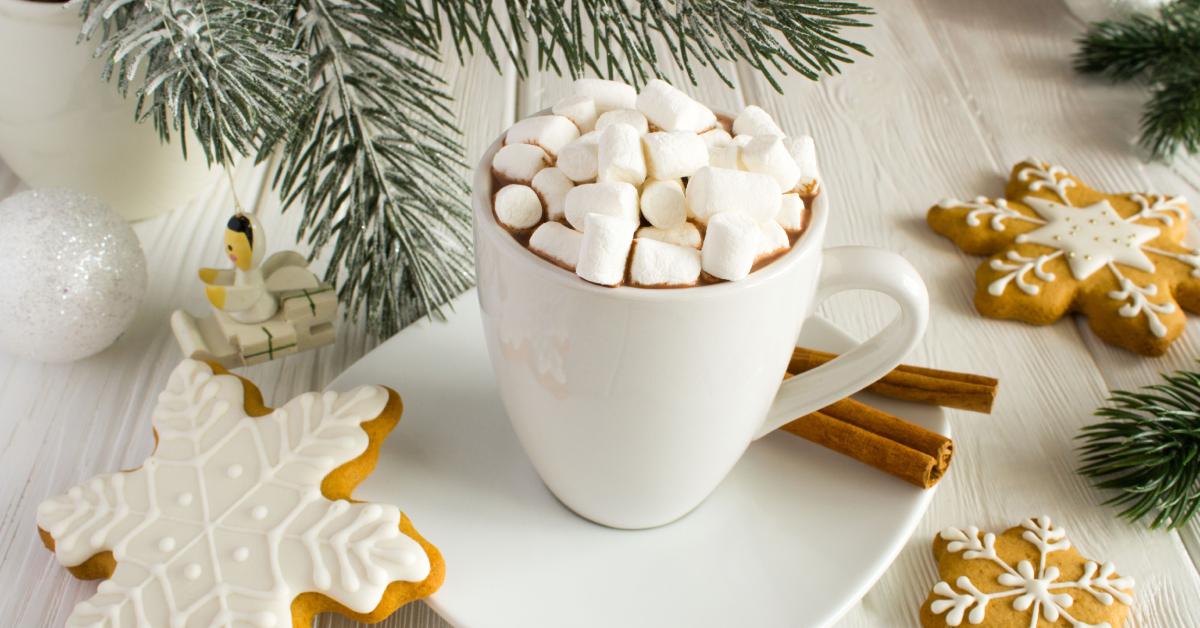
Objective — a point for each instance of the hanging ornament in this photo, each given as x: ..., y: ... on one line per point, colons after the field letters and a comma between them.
x: 1098, y: 10
x: 73, y: 275
x: 262, y: 310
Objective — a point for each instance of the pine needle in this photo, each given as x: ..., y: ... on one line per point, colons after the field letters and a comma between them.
x: 1159, y: 50
x: 224, y: 68
x: 373, y: 160
x: 616, y: 38
x: 1146, y: 450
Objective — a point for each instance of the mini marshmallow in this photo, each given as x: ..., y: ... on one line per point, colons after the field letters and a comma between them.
x: 767, y: 154
x: 619, y: 156
x: 773, y: 240
x: 674, y: 155
x: 685, y: 234
x: 716, y: 137
x: 713, y: 191
x: 728, y: 155
x: 604, y: 249
x: 656, y: 263
x: 632, y: 117
x: 753, y: 120
x: 731, y: 245
x: 792, y: 213
x: 557, y: 243
x: 518, y: 163
x: 577, y: 160
x: 669, y: 109
x: 607, y: 95
x: 552, y: 186
x: 804, y: 152
x: 578, y: 109
x: 609, y: 198
x: 662, y: 203
x: 551, y: 133
x: 517, y: 207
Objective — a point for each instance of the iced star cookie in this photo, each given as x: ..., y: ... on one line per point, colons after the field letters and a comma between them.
x: 242, y: 515
x: 1059, y: 246
x: 1029, y: 576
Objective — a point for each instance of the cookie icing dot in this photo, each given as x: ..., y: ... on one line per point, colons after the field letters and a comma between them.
x: 234, y: 471
x: 259, y: 513
x: 166, y: 544
x: 192, y: 571
x: 241, y: 554
x: 184, y: 499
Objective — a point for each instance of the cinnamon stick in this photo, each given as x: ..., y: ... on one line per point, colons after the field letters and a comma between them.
x: 914, y: 383
x: 872, y: 436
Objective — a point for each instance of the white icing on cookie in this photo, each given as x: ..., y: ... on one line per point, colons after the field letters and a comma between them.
x: 1029, y: 586
x: 998, y: 209
x: 1019, y: 271
x: 1044, y: 175
x: 1091, y: 236
x: 192, y: 571
x: 1165, y: 209
x: 1136, y: 302
x: 1191, y: 259
x: 240, y: 545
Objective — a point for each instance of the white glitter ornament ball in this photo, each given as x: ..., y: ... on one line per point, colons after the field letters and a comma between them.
x: 72, y: 275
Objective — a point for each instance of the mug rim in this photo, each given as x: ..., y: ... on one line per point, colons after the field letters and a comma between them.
x: 487, y: 227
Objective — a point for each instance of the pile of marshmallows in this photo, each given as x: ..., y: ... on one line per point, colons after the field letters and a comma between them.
x: 597, y: 192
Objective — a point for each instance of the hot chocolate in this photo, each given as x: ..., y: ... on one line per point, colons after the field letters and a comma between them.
x: 652, y: 189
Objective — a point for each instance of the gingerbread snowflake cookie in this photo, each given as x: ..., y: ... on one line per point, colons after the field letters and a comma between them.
x: 1058, y: 246
x: 1029, y: 576
x: 242, y: 515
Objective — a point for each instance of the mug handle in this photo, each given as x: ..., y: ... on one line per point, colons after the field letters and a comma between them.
x: 857, y: 268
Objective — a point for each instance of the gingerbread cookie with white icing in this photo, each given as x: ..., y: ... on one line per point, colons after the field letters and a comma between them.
x: 1059, y: 246
x: 242, y: 516
x: 1027, y: 576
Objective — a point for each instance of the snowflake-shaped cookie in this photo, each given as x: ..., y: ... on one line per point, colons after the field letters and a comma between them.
x: 1057, y: 245
x: 1027, y: 576
x: 242, y: 515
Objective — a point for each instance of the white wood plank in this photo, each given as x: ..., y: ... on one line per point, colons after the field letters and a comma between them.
x: 60, y: 425
x: 1088, y: 125
x: 956, y: 93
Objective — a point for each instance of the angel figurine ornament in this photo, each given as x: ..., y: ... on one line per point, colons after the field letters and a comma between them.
x: 262, y: 310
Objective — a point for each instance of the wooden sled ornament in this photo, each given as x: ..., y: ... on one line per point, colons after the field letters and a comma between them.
x: 262, y: 310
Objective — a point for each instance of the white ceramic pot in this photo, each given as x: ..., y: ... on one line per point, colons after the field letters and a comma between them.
x: 634, y: 404
x: 62, y: 127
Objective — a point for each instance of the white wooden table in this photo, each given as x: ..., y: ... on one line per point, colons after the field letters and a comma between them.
x: 956, y: 93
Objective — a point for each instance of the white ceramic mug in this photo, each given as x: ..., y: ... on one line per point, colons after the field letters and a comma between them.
x: 633, y: 404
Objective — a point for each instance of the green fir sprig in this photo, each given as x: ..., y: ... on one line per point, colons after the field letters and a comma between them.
x: 227, y: 69
x: 1147, y: 450
x: 1161, y: 51
x: 616, y: 38
x: 369, y: 151
x: 378, y: 178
